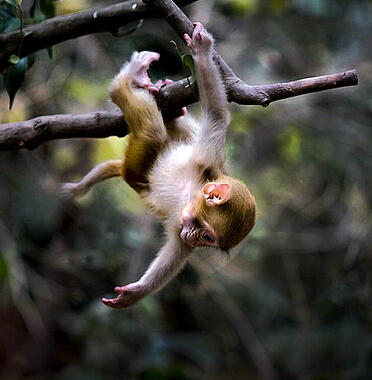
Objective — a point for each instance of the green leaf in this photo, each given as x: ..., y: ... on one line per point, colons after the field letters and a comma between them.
x: 15, y: 74
x: 189, y: 62
x: 13, y: 59
x: 186, y: 61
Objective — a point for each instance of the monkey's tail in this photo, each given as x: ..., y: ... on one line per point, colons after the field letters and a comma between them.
x: 108, y: 169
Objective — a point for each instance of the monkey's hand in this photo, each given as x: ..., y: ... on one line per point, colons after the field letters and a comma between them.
x: 200, y: 43
x: 127, y: 296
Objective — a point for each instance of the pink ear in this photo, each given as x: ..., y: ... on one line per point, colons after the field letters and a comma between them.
x: 216, y: 193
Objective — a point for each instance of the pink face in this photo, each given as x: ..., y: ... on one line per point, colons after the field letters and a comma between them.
x: 195, y: 232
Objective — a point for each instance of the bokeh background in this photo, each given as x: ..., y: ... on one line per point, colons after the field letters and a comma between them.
x: 293, y: 302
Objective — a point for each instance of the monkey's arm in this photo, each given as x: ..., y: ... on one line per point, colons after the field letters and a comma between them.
x: 211, y: 89
x: 169, y: 261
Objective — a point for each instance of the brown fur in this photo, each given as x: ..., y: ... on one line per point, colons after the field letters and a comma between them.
x: 178, y: 169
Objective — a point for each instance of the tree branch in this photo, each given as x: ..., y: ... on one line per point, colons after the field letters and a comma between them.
x: 237, y: 90
x: 178, y: 94
x: 62, y: 28
x: 29, y: 134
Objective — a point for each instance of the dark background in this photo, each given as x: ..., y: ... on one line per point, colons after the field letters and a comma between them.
x: 292, y: 302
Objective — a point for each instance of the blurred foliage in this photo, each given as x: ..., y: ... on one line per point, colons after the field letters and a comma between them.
x: 293, y: 302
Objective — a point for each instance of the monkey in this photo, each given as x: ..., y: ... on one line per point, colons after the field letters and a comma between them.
x: 178, y: 168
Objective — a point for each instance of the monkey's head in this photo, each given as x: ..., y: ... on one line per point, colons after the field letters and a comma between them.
x: 221, y: 216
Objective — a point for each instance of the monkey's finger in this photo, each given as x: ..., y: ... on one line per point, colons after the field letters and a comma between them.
x: 108, y: 302
x: 187, y: 39
x: 121, y: 289
x: 114, y: 303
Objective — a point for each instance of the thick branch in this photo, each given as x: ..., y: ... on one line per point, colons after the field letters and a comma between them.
x: 62, y: 28
x: 31, y: 133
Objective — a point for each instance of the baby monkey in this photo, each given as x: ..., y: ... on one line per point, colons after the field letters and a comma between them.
x: 178, y: 169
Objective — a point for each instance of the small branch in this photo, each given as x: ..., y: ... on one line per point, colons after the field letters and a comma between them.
x: 241, y: 93
x: 62, y: 28
x: 237, y: 90
x: 178, y: 95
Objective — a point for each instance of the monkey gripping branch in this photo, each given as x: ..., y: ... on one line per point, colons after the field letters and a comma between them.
x: 176, y: 164
x: 31, y: 133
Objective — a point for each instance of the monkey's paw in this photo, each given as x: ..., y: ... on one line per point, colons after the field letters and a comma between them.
x: 137, y: 68
x: 201, y: 41
x: 127, y: 296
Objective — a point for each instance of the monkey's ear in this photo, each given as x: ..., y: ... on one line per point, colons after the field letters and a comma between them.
x: 216, y: 193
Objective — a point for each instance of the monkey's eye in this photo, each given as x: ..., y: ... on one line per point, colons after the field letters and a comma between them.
x: 209, y: 238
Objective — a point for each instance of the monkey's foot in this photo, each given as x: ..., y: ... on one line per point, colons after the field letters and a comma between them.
x: 200, y: 42
x: 127, y: 296
x: 137, y: 68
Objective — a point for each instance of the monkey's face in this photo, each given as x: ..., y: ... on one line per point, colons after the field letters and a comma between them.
x: 220, y: 216
x: 195, y: 231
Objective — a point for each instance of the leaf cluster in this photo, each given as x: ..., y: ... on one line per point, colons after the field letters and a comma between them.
x: 12, y: 19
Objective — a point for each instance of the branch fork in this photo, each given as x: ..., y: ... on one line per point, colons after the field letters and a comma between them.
x: 31, y: 133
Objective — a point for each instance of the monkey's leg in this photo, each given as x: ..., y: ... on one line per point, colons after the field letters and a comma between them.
x: 139, y: 157
x: 101, y: 172
x: 132, y: 91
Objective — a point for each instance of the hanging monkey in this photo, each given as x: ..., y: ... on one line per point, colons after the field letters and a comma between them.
x: 178, y: 169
